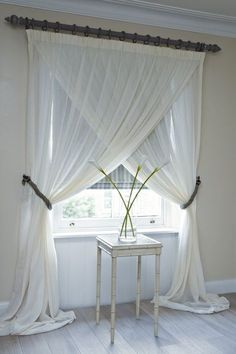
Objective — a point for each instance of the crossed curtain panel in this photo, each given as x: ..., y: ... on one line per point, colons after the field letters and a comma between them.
x: 89, y: 100
x: 175, y: 143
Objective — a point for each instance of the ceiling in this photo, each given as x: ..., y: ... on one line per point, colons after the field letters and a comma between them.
x: 216, y: 17
x: 221, y: 7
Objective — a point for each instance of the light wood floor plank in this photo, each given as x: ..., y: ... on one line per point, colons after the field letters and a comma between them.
x: 83, y: 336
x: 10, y: 345
x: 60, y: 342
x: 102, y: 331
x: 35, y: 344
x: 131, y: 330
x: 179, y: 324
x: 179, y: 333
x: 146, y: 323
x: 224, y: 344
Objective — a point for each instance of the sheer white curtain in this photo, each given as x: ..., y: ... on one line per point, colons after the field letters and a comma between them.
x: 89, y: 99
x: 176, y: 140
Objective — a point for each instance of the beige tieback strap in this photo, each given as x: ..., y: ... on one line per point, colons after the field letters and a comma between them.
x: 198, y: 182
x: 27, y: 179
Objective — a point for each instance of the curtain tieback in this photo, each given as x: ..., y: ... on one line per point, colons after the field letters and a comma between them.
x: 27, y: 179
x: 185, y: 205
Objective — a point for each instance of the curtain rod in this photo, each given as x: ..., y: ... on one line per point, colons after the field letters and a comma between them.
x: 122, y: 36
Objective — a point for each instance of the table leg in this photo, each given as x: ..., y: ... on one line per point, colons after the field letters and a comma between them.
x: 138, y: 291
x: 99, y: 253
x: 113, y: 298
x: 156, y: 294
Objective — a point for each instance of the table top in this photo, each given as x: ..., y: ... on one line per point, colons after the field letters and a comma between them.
x: 113, y: 242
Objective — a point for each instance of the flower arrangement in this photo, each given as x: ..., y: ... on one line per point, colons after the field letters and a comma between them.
x: 129, y: 233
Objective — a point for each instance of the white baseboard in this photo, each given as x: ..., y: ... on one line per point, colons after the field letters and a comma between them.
x: 3, y: 306
x: 225, y: 286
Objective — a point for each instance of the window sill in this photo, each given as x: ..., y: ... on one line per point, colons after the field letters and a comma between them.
x: 94, y: 233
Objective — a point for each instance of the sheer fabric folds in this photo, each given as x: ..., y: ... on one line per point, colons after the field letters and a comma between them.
x: 89, y: 99
x: 175, y: 142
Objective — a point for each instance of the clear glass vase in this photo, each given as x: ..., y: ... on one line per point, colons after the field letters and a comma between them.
x: 128, y: 234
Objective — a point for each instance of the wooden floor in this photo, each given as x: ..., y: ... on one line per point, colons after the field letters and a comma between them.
x: 179, y: 333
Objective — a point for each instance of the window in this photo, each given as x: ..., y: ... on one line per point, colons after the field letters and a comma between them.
x: 100, y: 207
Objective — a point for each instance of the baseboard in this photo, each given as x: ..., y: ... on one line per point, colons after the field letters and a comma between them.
x: 3, y: 306
x: 225, y: 286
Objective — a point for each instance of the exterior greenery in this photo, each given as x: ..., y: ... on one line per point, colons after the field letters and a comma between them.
x: 79, y: 208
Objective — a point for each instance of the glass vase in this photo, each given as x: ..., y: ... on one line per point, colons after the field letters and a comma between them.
x: 129, y: 233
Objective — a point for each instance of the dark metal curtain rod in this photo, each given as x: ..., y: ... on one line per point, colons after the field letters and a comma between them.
x: 122, y: 36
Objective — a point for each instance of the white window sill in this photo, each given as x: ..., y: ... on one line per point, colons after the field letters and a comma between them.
x: 93, y: 233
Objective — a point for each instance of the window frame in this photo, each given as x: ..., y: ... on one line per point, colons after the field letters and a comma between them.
x: 86, y: 225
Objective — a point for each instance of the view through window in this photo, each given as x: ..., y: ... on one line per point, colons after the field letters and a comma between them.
x: 101, y: 207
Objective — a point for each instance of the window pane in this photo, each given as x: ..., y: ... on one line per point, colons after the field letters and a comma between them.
x: 108, y: 204
x: 79, y: 207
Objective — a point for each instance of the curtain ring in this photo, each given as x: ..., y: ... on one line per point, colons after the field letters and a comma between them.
x: 86, y: 32
x: 157, y: 41
x: 14, y: 20
x: 45, y: 25
x: 188, y: 45
x: 26, y: 23
x: 208, y: 47
x: 179, y: 44
x: 122, y: 38
x: 32, y: 23
x: 198, y: 47
x: 74, y: 30
x: 202, y: 47
x: 146, y: 41
x: 99, y: 32
x: 109, y: 33
x: 21, y: 20
x: 135, y: 37
x: 58, y: 27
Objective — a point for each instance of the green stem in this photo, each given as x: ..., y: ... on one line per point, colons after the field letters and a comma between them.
x: 130, y: 196
x: 114, y: 185
x: 129, y: 205
x: 143, y: 184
